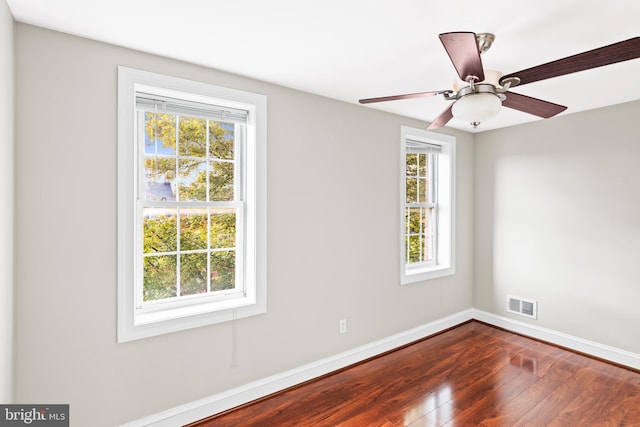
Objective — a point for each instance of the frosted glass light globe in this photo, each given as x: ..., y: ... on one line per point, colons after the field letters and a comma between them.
x: 476, y: 107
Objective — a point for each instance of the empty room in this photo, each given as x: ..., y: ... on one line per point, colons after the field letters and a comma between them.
x: 356, y: 213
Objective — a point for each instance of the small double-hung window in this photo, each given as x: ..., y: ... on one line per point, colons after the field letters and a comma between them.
x: 421, y: 205
x: 427, y: 195
x: 191, y: 204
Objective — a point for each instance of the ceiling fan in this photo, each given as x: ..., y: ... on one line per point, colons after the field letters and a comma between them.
x: 479, y: 94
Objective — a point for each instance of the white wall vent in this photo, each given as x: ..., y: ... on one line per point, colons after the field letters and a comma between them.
x: 522, y: 306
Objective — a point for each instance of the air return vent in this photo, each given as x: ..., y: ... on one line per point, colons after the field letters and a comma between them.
x: 522, y: 306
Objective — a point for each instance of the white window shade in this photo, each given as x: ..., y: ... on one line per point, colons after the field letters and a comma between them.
x: 163, y: 104
x: 414, y: 146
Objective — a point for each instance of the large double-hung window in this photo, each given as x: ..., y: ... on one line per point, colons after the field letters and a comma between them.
x: 191, y: 204
x: 427, y: 195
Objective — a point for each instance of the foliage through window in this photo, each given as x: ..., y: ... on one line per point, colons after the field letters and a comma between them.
x: 420, y: 207
x: 189, y: 216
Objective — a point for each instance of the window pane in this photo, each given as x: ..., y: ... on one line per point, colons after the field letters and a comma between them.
x: 221, y: 182
x: 160, y: 230
x: 221, y: 140
x: 159, y: 277
x: 412, y: 164
x: 159, y: 177
x: 423, y: 190
x: 413, y: 217
x: 193, y: 273
x: 193, y: 229
x: 160, y: 133
x: 193, y: 179
x: 412, y: 190
x: 414, y: 252
x: 223, y: 228
x: 192, y: 137
x: 423, y: 176
x: 223, y: 270
x: 422, y: 164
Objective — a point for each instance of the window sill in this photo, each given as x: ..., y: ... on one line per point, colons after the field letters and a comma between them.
x: 413, y: 275
x: 174, y: 320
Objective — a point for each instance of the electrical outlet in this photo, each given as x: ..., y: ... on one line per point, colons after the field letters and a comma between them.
x: 343, y: 326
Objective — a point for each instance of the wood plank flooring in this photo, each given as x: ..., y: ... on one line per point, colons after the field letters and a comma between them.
x: 472, y: 375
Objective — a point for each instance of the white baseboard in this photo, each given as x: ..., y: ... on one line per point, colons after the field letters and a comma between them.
x: 591, y: 348
x: 203, y: 408
x: 208, y: 406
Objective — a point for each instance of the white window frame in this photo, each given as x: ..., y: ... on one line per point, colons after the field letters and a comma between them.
x: 443, y: 263
x: 135, y: 322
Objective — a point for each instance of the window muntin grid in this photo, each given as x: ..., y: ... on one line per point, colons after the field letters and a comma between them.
x: 190, y: 205
x: 420, y: 210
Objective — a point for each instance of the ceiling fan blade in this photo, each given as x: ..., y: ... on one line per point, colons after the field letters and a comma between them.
x: 611, y: 54
x: 535, y: 106
x: 462, y: 49
x: 406, y: 96
x: 442, y: 119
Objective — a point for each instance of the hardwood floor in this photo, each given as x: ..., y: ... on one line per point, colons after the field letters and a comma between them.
x: 472, y: 375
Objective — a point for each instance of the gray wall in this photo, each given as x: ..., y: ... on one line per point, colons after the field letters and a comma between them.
x: 557, y: 219
x: 333, y: 195
x: 6, y: 203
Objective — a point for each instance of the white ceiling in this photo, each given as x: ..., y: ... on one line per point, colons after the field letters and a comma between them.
x: 352, y: 49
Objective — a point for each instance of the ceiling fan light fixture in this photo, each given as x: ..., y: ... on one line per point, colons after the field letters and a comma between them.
x: 476, y: 105
x: 479, y: 94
